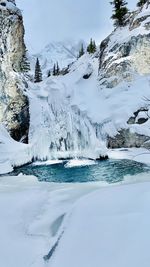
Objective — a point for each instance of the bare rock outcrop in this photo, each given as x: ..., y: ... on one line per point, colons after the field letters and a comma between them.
x: 13, y: 102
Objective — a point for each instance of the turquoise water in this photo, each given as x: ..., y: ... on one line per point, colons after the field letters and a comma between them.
x: 110, y: 171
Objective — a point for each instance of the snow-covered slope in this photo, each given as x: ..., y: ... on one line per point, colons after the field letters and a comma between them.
x: 64, y: 53
x: 112, y: 221
x: 109, y: 227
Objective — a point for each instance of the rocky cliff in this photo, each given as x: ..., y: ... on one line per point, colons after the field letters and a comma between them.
x: 125, y: 63
x: 126, y: 52
x: 13, y: 103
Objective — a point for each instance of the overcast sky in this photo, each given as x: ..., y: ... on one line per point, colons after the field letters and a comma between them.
x: 58, y: 20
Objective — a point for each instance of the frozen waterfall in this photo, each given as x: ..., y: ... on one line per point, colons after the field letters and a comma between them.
x: 59, y: 129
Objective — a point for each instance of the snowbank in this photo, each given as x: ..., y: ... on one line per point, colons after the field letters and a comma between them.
x: 97, y: 222
x: 109, y: 227
x: 12, y: 153
x: 32, y: 217
x: 137, y: 154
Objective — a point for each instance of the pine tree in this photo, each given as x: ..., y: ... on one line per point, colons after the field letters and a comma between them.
x: 91, y: 49
x: 81, y: 51
x: 57, y: 69
x: 120, y: 12
x: 49, y: 73
x: 25, y: 64
x: 54, y: 70
x: 38, y: 72
x: 94, y: 47
x: 141, y: 3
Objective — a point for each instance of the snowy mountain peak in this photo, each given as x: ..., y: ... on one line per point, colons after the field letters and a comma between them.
x: 62, y: 52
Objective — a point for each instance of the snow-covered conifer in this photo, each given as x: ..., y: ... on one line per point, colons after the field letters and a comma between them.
x: 119, y: 12
x: 38, y: 72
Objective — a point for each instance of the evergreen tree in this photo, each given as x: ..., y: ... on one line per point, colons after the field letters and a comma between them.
x: 25, y: 64
x: 141, y: 3
x: 57, y: 69
x: 38, y: 72
x: 54, y: 70
x: 81, y: 51
x: 94, y: 47
x: 49, y: 74
x: 91, y: 49
x: 120, y: 10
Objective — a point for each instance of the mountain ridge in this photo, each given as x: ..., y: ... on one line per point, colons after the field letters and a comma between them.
x: 63, y: 52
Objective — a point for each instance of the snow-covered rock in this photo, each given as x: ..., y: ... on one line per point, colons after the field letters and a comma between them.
x: 12, y: 153
x: 125, y: 68
x: 13, y: 102
x: 126, y: 52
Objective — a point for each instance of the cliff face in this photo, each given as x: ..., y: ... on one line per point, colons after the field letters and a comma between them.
x: 124, y: 64
x: 13, y: 103
x: 126, y: 52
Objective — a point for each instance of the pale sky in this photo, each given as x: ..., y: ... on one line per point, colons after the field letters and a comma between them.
x: 58, y: 20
